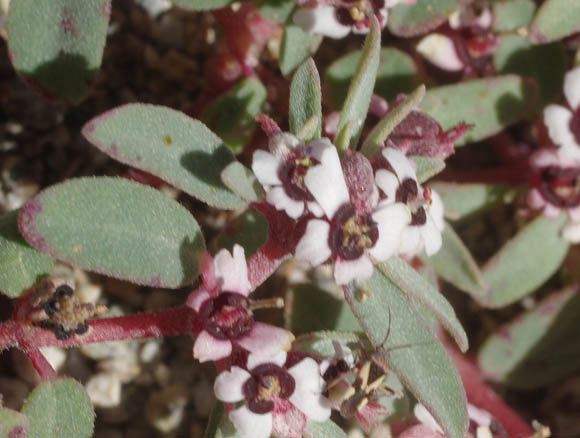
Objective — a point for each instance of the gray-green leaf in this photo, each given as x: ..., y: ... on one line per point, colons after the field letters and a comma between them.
x: 305, y: 98
x: 296, y: 46
x: 408, y: 20
x: 555, y: 20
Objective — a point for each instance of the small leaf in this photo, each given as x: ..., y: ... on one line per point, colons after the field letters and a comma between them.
x: 321, y: 342
x: 21, y: 265
x: 464, y: 200
x: 57, y: 46
x: 296, y: 46
x: 488, y: 104
x: 376, y: 138
x: 232, y: 115
x: 202, y: 5
x: 427, y: 167
x: 538, y: 347
x: 242, y: 181
x: 555, y: 20
x: 420, y: 290
x: 59, y: 408
x: 411, y: 351
x: 408, y: 20
x: 305, y: 98
x: 276, y: 10
x: 168, y: 144
x: 525, y: 262
x: 309, y: 129
x: 115, y: 227
x: 359, y: 94
x: 219, y: 425
x: 455, y: 264
x: 250, y: 230
x: 512, y: 14
x: 328, y: 429
x: 397, y: 73
x: 12, y: 424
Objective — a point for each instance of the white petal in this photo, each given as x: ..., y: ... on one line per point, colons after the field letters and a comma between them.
x: 313, y: 247
x: 307, y: 395
x: 574, y: 213
x: 572, y: 88
x: 278, y: 198
x: 551, y: 211
x: 206, y: 347
x: 479, y: 416
x: 535, y: 199
x: 410, y: 241
x: 440, y: 51
x: 325, y: 181
x: 431, y: 236
x: 266, y: 339
x: 196, y: 299
x: 251, y: 425
x: 400, y: 164
x: 545, y: 158
x: 282, y: 144
x: 278, y: 359
x: 571, y: 232
x: 231, y: 272
x: 228, y: 386
x: 314, y: 208
x: 265, y: 166
x: 388, y: 183
x: 359, y: 269
x: 321, y: 20
x: 436, y: 210
x: 557, y: 120
x: 391, y: 220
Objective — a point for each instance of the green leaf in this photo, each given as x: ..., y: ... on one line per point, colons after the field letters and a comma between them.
x: 202, y: 5
x: 359, y: 94
x: 21, y: 266
x: 463, y: 200
x: 168, y: 144
x: 296, y: 46
x: 321, y: 342
x: 397, y: 73
x: 420, y: 290
x: 555, y: 20
x: 538, y: 347
x: 232, y: 115
x: 115, y: 227
x: 276, y: 10
x: 305, y: 98
x: 427, y: 167
x: 376, y: 138
x: 57, y: 46
x: 455, y: 264
x: 242, y: 181
x: 511, y: 15
x: 250, y: 230
x: 219, y: 425
x: 419, y: 18
x: 59, y: 408
x: 411, y: 351
x: 309, y: 129
x: 525, y: 262
x: 328, y: 429
x: 314, y: 309
x: 547, y: 63
x: 12, y: 424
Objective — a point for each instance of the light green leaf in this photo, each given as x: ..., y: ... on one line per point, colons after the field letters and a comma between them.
x: 510, y: 15
x: 57, y: 46
x: 115, y: 227
x: 276, y: 10
x: 202, y: 5
x: 21, y: 266
x: 296, y: 46
x: 555, y: 20
x: 305, y: 98
x: 427, y: 167
x: 59, y: 408
x: 328, y: 429
x: 321, y: 342
x: 488, y: 104
x: 168, y: 144
x: 525, y: 262
x: 242, y: 181
x: 219, y: 425
x: 408, y: 20
x: 12, y: 424
x: 250, y: 230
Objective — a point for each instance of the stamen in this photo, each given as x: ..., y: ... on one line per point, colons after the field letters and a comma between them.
x: 267, y: 303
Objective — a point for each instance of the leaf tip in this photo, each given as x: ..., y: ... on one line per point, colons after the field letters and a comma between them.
x: 27, y: 224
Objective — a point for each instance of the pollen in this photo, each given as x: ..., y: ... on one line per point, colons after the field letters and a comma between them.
x: 269, y: 388
x: 357, y: 11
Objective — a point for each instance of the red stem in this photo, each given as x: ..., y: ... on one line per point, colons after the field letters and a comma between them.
x: 41, y: 365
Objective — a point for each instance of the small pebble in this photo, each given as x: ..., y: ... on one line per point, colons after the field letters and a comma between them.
x: 104, y: 390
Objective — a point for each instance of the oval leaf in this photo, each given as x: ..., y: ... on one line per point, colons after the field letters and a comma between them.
x: 21, y: 266
x: 409, y: 20
x: 525, y: 262
x: 60, y: 408
x: 12, y: 424
x: 57, y: 46
x: 115, y: 227
x: 555, y: 20
x: 168, y: 144
x: 536, y: 348
x: 202, y: 5
x: 305, y: 99
x: 296, y: 46
x: 411, y: 351
x: 488, y: 104
x: 427, y: 167
x: 512, y: 14
x: 242, y: 181
x: 328, y: 429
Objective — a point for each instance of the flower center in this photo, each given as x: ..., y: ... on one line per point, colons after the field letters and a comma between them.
x: 227, y: 316
x: 356, y: 12
x: 560, y: 187
x: 351, y: 233
x: 292, y: 175
x: 268, y: 383
x: 575, y: 125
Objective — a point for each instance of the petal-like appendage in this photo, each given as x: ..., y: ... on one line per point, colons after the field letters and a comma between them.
x: 228, y: 386
x: 557, y: 120
x: 391, y: 221
x: 400, y: 164
x: 254, y: 359
x: 436, y: 210
x: 278, y: 198
x: 251, y: 425
x: 206, y: 347
x: 359, y: 269
x: 321, y: 20
x: 265, y: 166
x: 313, y: 246
x: 388, y: 183
x: 440, y: 51
x: 572, y: 88
x: 232, y: 271
x: 571, y: 232
x: 266, y: 339
x: 431, y: 236
x: 307, y: 394
x: 196, y: 299
x: 410, y: 241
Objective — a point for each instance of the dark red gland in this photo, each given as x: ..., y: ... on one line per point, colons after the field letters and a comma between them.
x: 268, y: 383
x: 352, y: 233
x: 575, y: 125
x: 227, y: 316
x: 560, y: 186
x: 292, y: 174
x: 357, y: 12
x: 407, y: 191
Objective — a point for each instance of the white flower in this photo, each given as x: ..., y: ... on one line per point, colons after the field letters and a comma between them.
x: 563, y: 123
x: 397, y: 179
x: 277, y: 399
x: 440, y: 51
x: 347, y: 234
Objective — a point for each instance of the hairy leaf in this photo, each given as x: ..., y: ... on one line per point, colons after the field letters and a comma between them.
x: 12, y: 424
x: 296, y: 46
x: 512, y: 14
x: 328, y: 429
x: 408, y: 20
x: 427, y: 167
x: 305, y: 98
x: 555, y: 20
x: 242, y: 181
x: 202, y: 5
